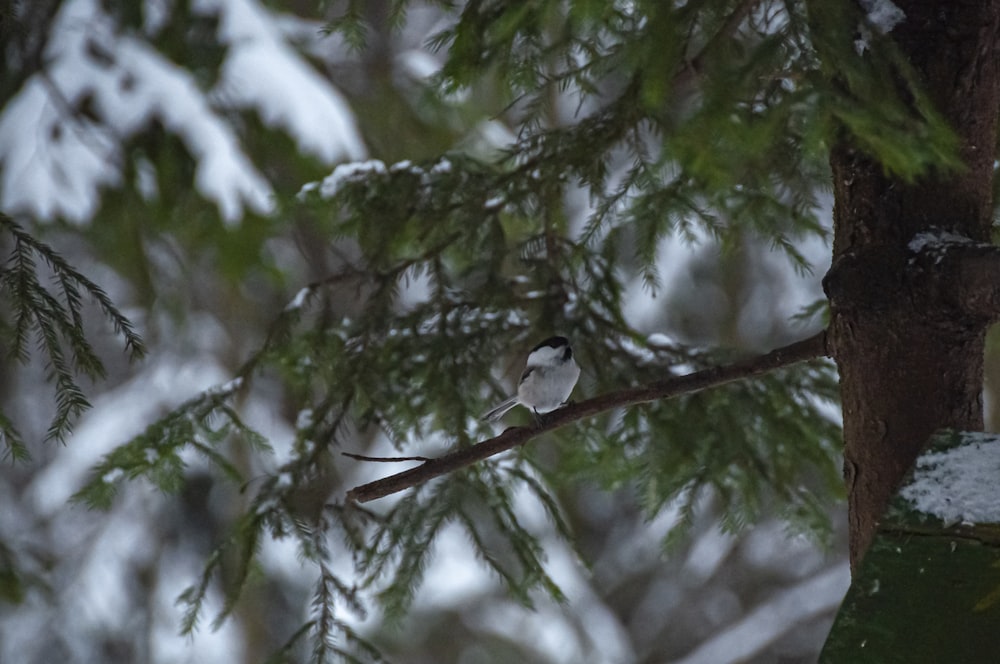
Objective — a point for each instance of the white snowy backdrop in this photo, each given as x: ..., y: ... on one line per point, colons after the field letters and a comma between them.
x: 153, y: 148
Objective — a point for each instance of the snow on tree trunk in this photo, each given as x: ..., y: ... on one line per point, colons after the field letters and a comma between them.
x: 936, y: 547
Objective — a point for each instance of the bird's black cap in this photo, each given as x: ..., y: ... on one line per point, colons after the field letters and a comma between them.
x: 554, y: 342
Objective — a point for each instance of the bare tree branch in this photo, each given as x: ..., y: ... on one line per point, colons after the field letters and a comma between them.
x: 806, y: 349
x: 362, y: 457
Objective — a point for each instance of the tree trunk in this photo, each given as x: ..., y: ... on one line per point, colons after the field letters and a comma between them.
x: 907, y: 331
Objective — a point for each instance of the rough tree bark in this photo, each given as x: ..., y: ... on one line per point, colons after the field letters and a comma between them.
x: 907, y: 331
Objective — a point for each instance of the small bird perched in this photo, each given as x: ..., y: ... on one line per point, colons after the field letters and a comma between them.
x: 547, y: 381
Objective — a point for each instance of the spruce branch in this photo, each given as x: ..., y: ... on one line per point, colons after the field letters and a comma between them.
x: 54, y: 316
x: 71, y: 281
x: 694, y: 65
x: 807, y: 349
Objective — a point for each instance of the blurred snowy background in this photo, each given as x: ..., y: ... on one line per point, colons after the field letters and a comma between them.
x: 152, y: 143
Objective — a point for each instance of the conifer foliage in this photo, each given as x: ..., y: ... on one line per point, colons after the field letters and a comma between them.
x: 52, y: 319
x: 710, y: 121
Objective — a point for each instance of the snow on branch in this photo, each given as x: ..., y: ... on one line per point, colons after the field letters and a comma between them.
x: 963, y: 272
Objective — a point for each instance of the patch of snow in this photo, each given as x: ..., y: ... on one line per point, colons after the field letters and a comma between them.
x: 418, y: 64
x: 113, y: 475
x: 350, y: 172
x: 958, y: 485
x: 55, y: 161
x: 304, y: 419
x: 659, y: 339
x: 883, y: 15
x: 442, y: 166
x: 641, y: 354
x: 45, y: 176
x: 299, y: 299
x: 516, y: 318
x: 490, y: 138
x: 936, y: 240
x: 154, y: 15
x: 937, y: 243
x: 861, y: 43
x: 415, y: 288
x: 227, y: 387
x: 405, y: 165
x: 145, y: 179
x: 262, y: 72
x: 284, y: 480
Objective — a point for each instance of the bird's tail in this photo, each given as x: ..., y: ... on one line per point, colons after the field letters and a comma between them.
x: 499, y: 410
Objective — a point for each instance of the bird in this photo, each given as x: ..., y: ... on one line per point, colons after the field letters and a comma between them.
x: 550, y: 374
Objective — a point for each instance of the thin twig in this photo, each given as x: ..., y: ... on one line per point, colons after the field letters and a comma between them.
x: 362, y: 457
x: 694, y: 65
x: 807, y: 349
